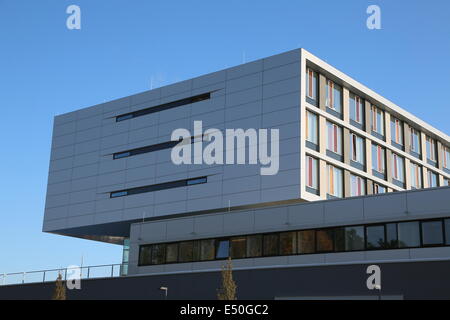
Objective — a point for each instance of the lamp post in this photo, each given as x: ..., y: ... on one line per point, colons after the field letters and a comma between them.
x: 165, y: 289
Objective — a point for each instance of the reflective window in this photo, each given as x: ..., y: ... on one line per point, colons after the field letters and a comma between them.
x: 187, y: 251
x: 288, y: 243
x: 354, y: 238
x: 416, y: 175
x: 311, y: 127
x: 398, y: 168
x: 432, y: 233
x: 145, y: 255
x: 377, y: 120
x: 357, y: 148
x: 172, y: 252
x: 432, y: 179
x: 333, y: 96
x: 357, y: 186
x: 311, y: 84
x: 334, y: 140
x: 254, y: 246
x: 306, y: 241
x: 396, y: 131
x: 431, y: 148
x: 447, y: 231
x: 312, y: 172
x: 378, y: 158
x: 223, y: 249
x: 325, y: 240
x: 270, y: 244
x: 207, y: 250
x: 408, y: 234
x: 356, y: 106
x: 415, y: 140
x: 391, y: 236
x: 335, y: 181
x: 158, y: 253
x: 375, y: 237
x: 238, y: 247
x: 378, y: 188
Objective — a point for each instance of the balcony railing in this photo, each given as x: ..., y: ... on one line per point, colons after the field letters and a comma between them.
x: 41, y: 276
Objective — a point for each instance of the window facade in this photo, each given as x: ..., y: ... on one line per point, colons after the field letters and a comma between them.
x: 431, y: 148
x: 398, y: 168
x: 311, y: 84
x: 378, y: 188
x: 414, y: 141
x: 312, y: 127
x: 356, y: 106
x: 379, y: 236
x: 416, y: 176
x: 396, y: 131
x: 312, y: 173
x: 432, y: 179
x: 446, y: 157
x: 377, y: 120
x: 378, y: 158
x: 333, y: 96
x: 357, y: 186
x: 334, y: 138
x: 335, y: 181
x: 357, y: 148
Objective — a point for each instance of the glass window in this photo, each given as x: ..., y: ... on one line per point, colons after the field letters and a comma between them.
x: 354, y: 238
x: 391, y: 236
x: 311, y: 127
x: 222, y: 249
x: 325, y: 240
x: 432, y: 233
x: 238, y: 247
x: 335, y: 182
x: 187, y: 251
x: 446, y: 157
x: 432, y: 179
x: 311, y: 84
x: 378, y: 158
x: 377, y: 120
x: 288, y: 243
x: 356, y: 108
x: 254, y: 246
x: 416, y: 176
x: 415, y: 141
x: 334, y: 140
x: 339, y: 239
x: 196, y: 181
x: 333, y: 96
x: 408, y: 234
x: 396, y: 131
x: 172, y: 252
x: 207, y: 250
x: 357, y: 148
x: 375, y: 237
x: 270, y: 244
x: 431, y: 149
x: 378, y: 188
x: 159, y: 253
x: 398, y: 168
x: 145, y: 255
x: 446, y: 182
x: 357, y: 186
x: 447, y: 231
x: 306, y: 241
x: 312, y: 173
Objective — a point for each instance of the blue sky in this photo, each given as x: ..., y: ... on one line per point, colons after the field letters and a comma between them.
x: 46, y: 69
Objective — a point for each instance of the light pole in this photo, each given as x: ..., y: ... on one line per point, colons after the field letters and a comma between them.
x: 165, y: 289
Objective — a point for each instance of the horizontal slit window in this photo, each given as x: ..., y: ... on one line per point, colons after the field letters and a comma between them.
x: 162, y: 107
x: 157, y: 187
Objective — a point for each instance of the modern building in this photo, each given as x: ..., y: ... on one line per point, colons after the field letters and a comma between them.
x: 112, y: 178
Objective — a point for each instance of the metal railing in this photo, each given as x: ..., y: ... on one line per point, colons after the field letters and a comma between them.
x: 41, y: 276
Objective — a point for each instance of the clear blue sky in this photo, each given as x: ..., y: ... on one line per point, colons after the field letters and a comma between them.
x: 46, y: 69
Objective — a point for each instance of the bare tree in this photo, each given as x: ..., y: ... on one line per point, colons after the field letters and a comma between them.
x: 228, y: 289
x: 60, y: 289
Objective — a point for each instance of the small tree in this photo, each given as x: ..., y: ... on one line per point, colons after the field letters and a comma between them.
x: 60, y: 289
x: 228, y: 289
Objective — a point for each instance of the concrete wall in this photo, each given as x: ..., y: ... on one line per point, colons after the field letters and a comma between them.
x: 399, y: 206
x: 260, y: 94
